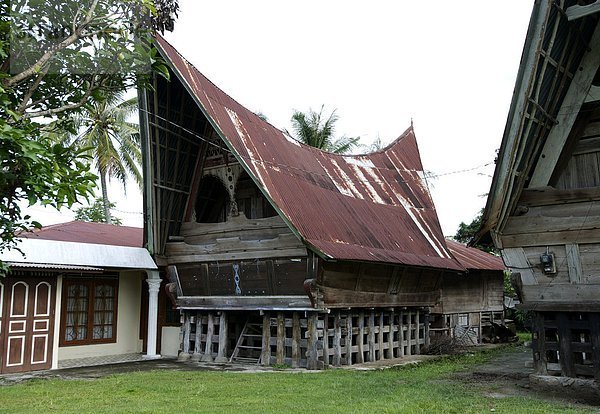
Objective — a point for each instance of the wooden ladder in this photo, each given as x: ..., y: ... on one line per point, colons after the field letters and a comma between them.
x: 249, y: 345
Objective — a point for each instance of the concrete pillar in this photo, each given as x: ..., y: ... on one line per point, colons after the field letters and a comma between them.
x: 153, y: 281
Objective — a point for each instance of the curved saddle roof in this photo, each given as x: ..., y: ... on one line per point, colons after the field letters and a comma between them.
x: 374, y: 207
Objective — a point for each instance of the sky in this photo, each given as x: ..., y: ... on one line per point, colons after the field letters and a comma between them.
x: 449, y: 67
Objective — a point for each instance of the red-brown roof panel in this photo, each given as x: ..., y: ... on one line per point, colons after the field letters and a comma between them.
x: 373, y: 207
x: 86, y: 232
x: 474, y: 259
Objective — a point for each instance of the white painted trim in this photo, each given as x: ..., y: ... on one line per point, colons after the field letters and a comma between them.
x: 57, y: 320
x: 46, y: 321
x: 22, y: 337
x: 45, y: 336
x: 49, y: 300
x: 12, y: 300
x: 10, y: 327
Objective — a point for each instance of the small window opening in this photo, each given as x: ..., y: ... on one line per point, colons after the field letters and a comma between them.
x: 212, y: 203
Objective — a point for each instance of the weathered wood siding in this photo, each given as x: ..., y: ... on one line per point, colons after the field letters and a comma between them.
x: 474, y: 292
x: 563, y: 220
x: 342, y: 285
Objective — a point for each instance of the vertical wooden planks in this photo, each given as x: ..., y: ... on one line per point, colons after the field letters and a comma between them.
x: 295, y: 340
x: 265, y: 355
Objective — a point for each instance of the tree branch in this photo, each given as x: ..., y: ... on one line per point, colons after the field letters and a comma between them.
x: 76, y: 105
x: 23, y: 106
x: 37, y: 66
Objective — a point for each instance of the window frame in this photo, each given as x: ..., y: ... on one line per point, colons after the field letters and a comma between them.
x: 91, y: 284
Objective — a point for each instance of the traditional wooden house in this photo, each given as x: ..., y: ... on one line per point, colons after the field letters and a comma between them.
x: 542, y: 210
x: 76, y: 297
x: 278, y: 252
x: 470, y: 302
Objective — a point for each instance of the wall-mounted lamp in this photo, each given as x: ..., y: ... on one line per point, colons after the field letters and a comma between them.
x: 548, y: 262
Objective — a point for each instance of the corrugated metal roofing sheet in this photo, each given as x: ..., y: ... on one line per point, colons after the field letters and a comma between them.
x: 474, y: 259
x: 373, y: 207
x: 86, y: 232
x: 54, y: 266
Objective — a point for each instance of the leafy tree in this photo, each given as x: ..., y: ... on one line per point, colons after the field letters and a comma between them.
x: 96, y: 213
x: 466, y: 232
x: 54, y: 58
x: 313, y: 129
x: 110, y: 140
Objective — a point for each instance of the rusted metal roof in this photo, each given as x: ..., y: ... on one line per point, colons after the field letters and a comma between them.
x: 474, y: 259
x: 373, y: 207
x: 86, y: 232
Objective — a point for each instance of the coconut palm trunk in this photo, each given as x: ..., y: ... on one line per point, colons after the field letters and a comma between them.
x: 105, y: 201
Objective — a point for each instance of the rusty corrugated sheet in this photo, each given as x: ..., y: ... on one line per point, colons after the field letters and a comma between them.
x: 87, y: 232
x: 373, y: 207
x: 474, y: 259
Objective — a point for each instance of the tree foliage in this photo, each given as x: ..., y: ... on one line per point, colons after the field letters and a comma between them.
x: 466, y: 232
x: 96, y: 213
x: 56, y: 57
x: 317, y: 130
x: 107, y: 137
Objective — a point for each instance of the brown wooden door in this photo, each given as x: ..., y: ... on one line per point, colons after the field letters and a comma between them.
x: 26, y: 324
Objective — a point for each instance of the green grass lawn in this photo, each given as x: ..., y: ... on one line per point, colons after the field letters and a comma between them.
x: 427, y: 388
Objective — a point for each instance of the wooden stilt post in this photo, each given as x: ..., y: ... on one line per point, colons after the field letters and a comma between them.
x: 418, y: 333
x: 280, y: 352
x: 392, y: 324
x: 372, y: 336
x: 349, y: 339
x: 401, y: 335
x: 567, y: 365
x: 222, y: 352
x: 380, y: 337
x: 295, y: 340
x: 265, y: 355
x: 210, y: 328
x: 311, y: 351
x: 595, y: 339
x: 198, y: 341
x: 426, y: 328
x: 185, y: 345
x: 409, y: 335
x: 540, y: 362
x: 360, y: 355
x: 337, y: 339
x: 326, y: 340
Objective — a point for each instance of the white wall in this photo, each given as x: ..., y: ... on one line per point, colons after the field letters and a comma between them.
x: 128, y: 323
x: 170, y: 341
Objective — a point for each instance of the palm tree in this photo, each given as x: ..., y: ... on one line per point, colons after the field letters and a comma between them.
x: 312, y: 129
x: 111, y: 141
